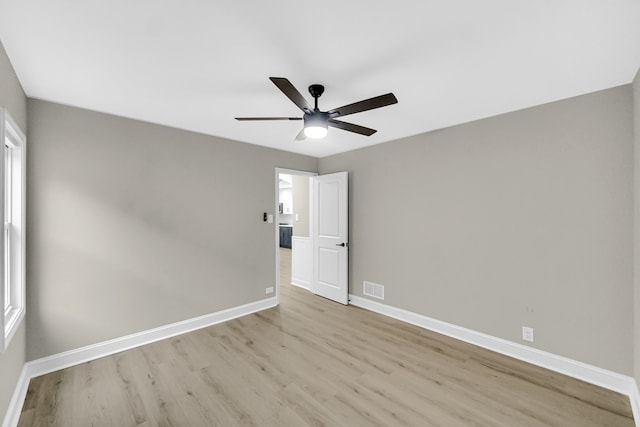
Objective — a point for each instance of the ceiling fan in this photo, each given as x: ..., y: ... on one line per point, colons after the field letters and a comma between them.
x: 316, y: 122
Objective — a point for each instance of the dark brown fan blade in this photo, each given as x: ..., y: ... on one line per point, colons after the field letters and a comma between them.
x: 291, y: 92
x: 367, y: 104
x: 351, y: 127
x: 267, y: 118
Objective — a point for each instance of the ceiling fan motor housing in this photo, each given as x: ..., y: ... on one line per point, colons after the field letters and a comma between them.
x: 316, y: 118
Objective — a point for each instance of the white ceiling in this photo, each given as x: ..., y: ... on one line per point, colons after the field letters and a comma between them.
x: 196, y: 64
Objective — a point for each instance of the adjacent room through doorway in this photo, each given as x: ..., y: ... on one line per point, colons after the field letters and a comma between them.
x: 294, y: 229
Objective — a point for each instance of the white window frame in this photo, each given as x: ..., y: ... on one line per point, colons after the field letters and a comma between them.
x: 14, y: 148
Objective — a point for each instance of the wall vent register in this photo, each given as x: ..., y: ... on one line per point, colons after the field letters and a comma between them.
x: 371, y: 289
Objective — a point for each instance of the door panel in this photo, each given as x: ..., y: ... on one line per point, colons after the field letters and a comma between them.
x: 330, y: 232
x: 329, y: 262
x: 329, y: 221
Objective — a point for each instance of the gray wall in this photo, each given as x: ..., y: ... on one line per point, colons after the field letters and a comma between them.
x: 301, y: 205
x: 520, y: 219
x: 134, y: 225
x: 13, y: 99
x: 636, y: 121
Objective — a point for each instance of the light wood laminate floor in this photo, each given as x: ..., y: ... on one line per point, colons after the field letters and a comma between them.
x: 312, y: 362
x: 285, y: 266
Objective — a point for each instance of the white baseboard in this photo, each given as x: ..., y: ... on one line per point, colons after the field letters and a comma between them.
x: 592, y: 374
x: 59, y: 361
x: 634, y: 397
x: 17, y: 400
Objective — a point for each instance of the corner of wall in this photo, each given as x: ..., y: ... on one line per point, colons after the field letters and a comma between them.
x: 636, y: 216
x: 12, y: 95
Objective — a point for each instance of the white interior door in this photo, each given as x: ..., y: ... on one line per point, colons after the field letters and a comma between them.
x: 330, y: 237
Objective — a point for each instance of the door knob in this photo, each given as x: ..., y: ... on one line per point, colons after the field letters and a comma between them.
x: 343, y: 244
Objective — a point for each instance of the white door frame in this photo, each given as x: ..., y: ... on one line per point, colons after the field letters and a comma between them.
x: 276, y: 217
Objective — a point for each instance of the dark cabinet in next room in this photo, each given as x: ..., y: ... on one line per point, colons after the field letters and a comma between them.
x: 285, y: 236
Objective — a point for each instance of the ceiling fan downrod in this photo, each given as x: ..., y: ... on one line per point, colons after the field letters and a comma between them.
x: 316, y: 91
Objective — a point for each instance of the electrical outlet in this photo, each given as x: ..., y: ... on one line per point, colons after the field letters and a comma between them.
x: 527, y: 334
x: 269, y: 290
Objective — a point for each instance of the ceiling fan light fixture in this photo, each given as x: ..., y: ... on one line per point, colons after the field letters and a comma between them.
x: 315, y: 125
x: 315, y: 131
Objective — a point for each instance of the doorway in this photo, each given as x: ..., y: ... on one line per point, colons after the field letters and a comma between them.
x: 312, y: 224
x: 294, y: 210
